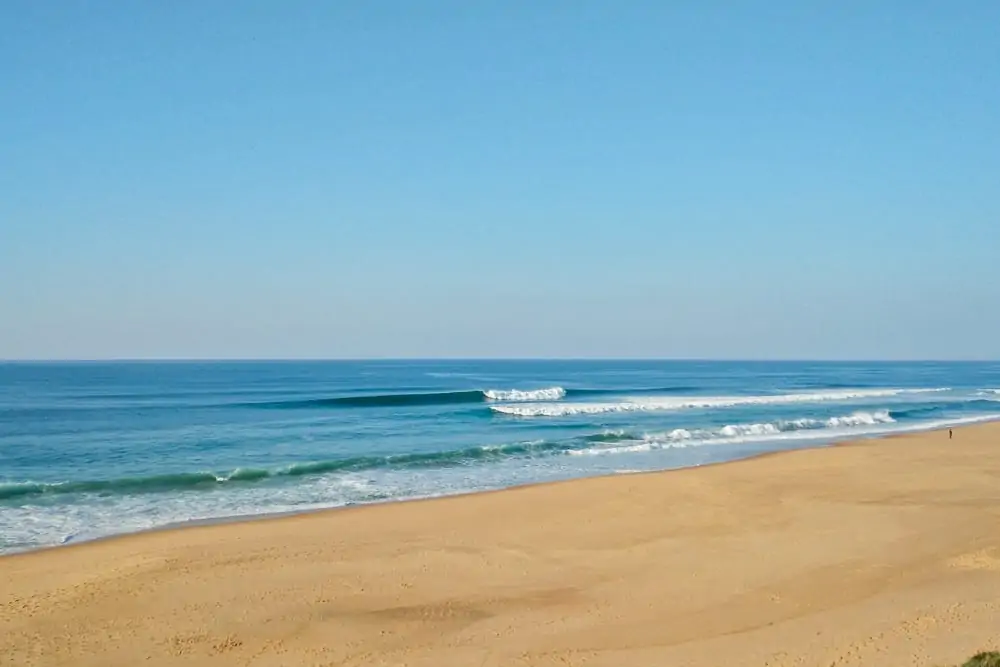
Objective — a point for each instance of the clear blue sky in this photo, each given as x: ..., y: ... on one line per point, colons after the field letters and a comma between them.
x: 567, y: 178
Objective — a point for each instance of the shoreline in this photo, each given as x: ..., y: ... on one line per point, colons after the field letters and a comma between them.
x: 194, y: 524
x: 870, y: 553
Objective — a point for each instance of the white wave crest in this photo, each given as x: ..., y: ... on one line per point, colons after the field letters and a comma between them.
x: 787, y: 426
x: 743, y: 432
x: 736, y: 430
x: 523, y: 395
x: 689, y: 402
x: 861, y: 419
x: 858, y: 425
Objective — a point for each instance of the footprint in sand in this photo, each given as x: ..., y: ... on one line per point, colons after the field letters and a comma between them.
x: 984, y: 559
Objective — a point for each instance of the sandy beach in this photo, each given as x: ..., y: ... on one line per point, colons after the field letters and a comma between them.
x: 883, y: 552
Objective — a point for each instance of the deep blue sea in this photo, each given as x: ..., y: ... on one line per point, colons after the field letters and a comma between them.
x: 93, y: 449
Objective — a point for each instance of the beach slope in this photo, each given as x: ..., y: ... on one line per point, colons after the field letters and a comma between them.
x: 884, y: 552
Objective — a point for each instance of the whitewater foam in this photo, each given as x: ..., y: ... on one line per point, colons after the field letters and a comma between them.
x: 860, y: 425
x: 205, y: 481
x: 664, y: 403
x: 861, y: 419
x: 523, y: 395
x: 773, y: 428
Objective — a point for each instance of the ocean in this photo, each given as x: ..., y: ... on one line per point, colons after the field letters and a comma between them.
x: 93, y: 449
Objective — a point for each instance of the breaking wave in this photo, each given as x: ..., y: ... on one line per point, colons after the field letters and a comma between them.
x: 416, y: 399
x: 859, y: 424
x: 202, y: 481
x: 550, y: 394
x: 662, y: 403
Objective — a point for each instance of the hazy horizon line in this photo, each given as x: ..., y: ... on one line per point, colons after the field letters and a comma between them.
x: 182, y: 360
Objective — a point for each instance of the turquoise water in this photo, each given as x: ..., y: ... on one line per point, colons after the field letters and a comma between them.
x: 93, y: 449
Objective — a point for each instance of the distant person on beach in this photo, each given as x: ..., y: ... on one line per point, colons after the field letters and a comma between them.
x: 949, y: 434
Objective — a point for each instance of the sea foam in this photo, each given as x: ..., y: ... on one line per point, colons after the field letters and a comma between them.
x: 523, y: 395
x: 857, y: 425
x: 651, y: 404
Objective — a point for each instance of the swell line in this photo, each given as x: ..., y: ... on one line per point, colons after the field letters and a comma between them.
x: 460, y: 397
x: 378, y: 400
x: 207, y: 480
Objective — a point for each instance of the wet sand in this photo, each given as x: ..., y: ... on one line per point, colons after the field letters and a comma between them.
x: 883, y: 552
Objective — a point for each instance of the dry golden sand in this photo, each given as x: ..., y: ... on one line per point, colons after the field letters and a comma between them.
x: 878, y: 553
